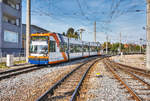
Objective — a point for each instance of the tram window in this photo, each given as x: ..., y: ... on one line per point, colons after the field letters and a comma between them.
x: 94, y: 48
x: 79, y: 48
x: 86, y: 48
x: 63, y: 47
x: 52, y: 46
x: 98, y: 48
x: 90, y: 48
x: 75, y: 48
x: 39, y: 38
x: 72, y: 48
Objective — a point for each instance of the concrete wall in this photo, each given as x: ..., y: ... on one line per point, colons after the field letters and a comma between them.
x: 11, y: 11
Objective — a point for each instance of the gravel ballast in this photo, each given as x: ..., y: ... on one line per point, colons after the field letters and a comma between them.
x: 29, y: 86
x: 104, y: 88
x: 137, y: 61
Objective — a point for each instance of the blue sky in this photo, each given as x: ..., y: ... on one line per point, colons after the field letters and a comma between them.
x: 112, y: 17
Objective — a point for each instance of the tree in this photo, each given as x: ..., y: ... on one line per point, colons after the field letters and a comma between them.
x: 115, y: 47
x: 104, y: 45
x: 76, y: 35
x: 64, y: 33
x: 70, y: 32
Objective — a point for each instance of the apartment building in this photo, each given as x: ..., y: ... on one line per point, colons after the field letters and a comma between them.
x: 10, y: 26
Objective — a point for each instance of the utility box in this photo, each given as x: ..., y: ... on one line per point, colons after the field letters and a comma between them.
x: 10, y: 61
x: 121, y: 53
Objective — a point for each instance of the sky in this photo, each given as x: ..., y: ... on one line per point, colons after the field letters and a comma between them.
x: 112, y: 18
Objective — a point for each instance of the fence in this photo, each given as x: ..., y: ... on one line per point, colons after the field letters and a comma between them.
x: 17, y: 57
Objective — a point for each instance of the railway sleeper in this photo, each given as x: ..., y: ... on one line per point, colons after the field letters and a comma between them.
x: 141, y: 88
x: 143, y: 93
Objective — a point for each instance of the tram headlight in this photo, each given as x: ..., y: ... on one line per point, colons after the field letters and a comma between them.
x: 45, y: 55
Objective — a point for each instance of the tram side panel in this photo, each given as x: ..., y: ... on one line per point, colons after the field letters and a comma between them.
x: 99, y: 49
x: 75, y: 48
x: 57, y: 52
x: 93, y: 48
x: 86, y: 52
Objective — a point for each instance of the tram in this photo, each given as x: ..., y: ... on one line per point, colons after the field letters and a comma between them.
x: 52, y: 48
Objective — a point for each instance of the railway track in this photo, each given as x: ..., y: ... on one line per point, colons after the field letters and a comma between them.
x: 68, y: 87
x: 136, y: 86
x: 139, y: 72
x: 14, y: 72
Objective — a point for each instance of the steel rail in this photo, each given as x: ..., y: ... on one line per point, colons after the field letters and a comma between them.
x: 14, y: 70
x: 26, y: 67
x: 18, y: 71
x: 136, y: 97
x: 133, y: 69
x: 133, y: 75
x: 51, y: 90
x: 76, y: 92
x: 137, y: 78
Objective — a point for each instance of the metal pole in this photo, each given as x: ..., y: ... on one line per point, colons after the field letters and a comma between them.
x: 107, y: 44
x: 81, y: 30
x: 95, y: 31
x: 28, y: 22
x: 81, y: 35
x: 120, y: 44
x: 148, y: 37
x: 140, y: 46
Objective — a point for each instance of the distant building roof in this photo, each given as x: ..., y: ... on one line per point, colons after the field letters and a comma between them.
x: 39, y: 28
x: 34, y: 29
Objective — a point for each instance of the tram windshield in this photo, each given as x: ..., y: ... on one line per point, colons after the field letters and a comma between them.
x: 40, y: 49
x: 39, y: 44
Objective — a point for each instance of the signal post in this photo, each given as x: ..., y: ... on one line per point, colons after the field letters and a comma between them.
x: 148, y: 36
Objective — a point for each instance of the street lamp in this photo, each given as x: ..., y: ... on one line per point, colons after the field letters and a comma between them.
x: 141, y: 45
x: 81, y: 30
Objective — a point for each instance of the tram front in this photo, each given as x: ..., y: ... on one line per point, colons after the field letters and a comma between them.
x: 38, y: 49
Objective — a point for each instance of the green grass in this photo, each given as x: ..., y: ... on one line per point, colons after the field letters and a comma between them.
x: 19, y: 62
x: 3, y: 64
